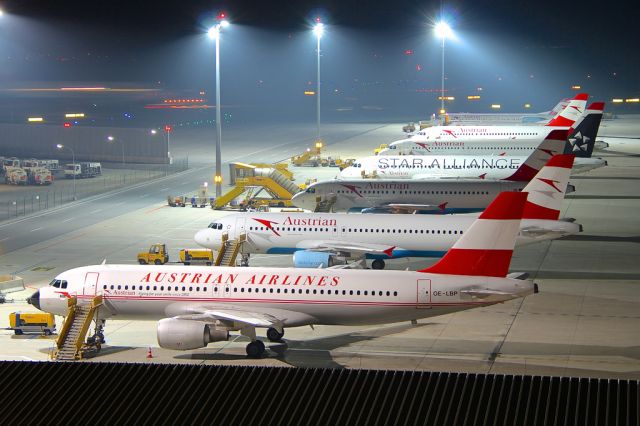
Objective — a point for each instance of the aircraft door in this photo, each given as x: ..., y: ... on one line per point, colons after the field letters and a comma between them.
x: 91, y: 284
x: 423, y: 297
x: 240, y: 227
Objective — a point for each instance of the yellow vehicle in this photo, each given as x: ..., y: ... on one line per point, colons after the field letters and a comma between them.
x: 24, y: 322
x: 346, y: 163
x: 311, y: 157
x: 196, y: 255
x: 380, y: 148
x: 157, y: 254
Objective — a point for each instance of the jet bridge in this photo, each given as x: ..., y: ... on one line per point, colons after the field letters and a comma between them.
x: 252, y: 180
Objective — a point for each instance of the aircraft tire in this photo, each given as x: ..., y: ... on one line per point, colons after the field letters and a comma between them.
x: 274, y: 335
x: 255, y: 349
x: 377, y: 264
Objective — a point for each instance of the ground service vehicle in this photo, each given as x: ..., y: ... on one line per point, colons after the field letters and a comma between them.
x: 156, y: 254
x: 82, y: 170
x: 15, y: 176
x: 23, y: 322
x: 175, y: 201
x: 380, y: 148
x: 188, y: 256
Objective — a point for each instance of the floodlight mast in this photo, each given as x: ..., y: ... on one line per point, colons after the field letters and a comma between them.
x: 318, y: 30
x: 443, y: 31
x: 214, y: 32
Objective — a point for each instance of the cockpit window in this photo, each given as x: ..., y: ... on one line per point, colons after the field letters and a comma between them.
x: 215, y: 225
x: 311, y: 190
x: 55, y: 283
x: 63, y: 284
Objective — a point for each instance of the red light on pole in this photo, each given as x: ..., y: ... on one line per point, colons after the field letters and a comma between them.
x: 168, y: 128
x: 67, y: 124
x: 221, y: 16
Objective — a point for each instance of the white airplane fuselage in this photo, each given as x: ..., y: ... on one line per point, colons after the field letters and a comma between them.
x: 301, y: 297
x: 490, y: 167
x: 445, y: 196
x: 409, y: 235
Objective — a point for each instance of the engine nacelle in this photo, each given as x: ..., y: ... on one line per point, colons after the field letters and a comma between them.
x: 184, y: 335
x: 313, y: 259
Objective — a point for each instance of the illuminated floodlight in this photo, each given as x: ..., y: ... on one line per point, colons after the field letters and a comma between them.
x: 35, y: 119
x: 473, y: 97
x: 214, y: 31
x: 74, y: 115
x: 1, y: 12
x: 442, y: 111
x: 318, y: 29
x: 576, y: 87
x: 527, y: 105
x: 110, y: 138
x: 617, y: 100
x: 633, y: 100
x: 59, y: 146
x: 154, y: 131
x: 495, y: 106
x: 443, y: 30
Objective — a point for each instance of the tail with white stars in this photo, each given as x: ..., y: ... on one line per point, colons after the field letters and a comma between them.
x: 582, y: 137
x: 485, y: 249
x: 548, y: 188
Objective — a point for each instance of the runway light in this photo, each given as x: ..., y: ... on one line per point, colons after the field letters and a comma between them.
x: 634, y: 100
x: 617, y: 101
x: 576, y: 87
x: 527, y: 105
x: 495, y: 106
x: 35, y: 119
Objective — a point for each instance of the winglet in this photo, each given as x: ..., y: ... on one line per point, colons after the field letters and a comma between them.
x: 548, y: 188
x: 485, y: 249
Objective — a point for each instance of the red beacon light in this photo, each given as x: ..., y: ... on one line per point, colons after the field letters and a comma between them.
x: 168, y: 128
x: 67, y: 124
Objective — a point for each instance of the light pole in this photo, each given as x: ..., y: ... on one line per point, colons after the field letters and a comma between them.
x: 318, y: 30
x: 167, y: 130
x: 443, y: 31
x: 73, y: 160
x: 112, y: 139
x: 214, y: 32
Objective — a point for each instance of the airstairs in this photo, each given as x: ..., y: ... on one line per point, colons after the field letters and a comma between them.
x: 251, y: 180
x: 70, y: 345
x: 229, y: 250
x: 325, y: 205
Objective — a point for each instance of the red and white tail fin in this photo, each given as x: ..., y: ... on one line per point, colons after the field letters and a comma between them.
x: 547, y: 189
x: 485, y: 249
x: 571, y: 113
x: 559, y: 107
x: 553, y: 144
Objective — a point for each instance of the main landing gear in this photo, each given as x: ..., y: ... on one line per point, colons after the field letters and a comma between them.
x: 256, y: 348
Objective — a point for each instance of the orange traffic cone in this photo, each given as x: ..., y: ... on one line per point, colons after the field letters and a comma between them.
x: 149, y: 354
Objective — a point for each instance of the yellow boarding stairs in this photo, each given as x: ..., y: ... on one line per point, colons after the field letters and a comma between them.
x: 325, y: 206
x: 247, y: 177
x: 70, y: 344
x: 229, y: 250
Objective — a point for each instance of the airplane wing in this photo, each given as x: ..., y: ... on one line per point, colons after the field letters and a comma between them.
x: 350, y: 249
x: 412, y: 208
x: 237, y: 316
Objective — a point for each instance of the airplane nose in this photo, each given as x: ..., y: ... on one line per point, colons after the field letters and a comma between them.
x: 203, y: 238
x: 35, y: 300
x: 299, y: 200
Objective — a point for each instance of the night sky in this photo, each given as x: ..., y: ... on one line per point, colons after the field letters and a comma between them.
x: 523, y: 49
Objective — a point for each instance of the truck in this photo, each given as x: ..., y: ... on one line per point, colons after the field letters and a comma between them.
x: 82, y: 170
x: 176, y: 201
x: 15, y: 175
x: 25, y: 322
x: 158, y: 255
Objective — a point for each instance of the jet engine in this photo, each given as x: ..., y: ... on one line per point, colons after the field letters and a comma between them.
x: 312, y: 259
x: 184, y: 335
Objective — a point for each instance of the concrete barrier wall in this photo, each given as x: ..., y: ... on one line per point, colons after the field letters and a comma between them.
x: 11, y: 283
x: 88, y: 143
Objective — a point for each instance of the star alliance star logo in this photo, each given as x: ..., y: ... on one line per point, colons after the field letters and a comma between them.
x: 579, y: 142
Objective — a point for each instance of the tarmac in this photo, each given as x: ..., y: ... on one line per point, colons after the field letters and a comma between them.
x: 584, y: 322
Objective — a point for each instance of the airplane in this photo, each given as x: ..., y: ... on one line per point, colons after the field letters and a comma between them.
x: 492, y: 167
x: 196, y: 305
x: 518, y: 141
x: 466, y: 118
x: 328, y: 239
